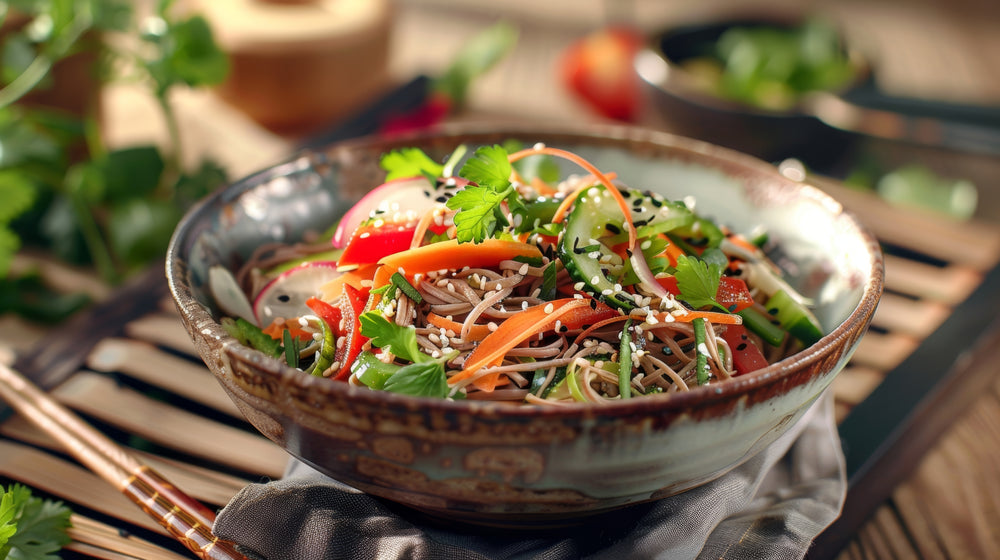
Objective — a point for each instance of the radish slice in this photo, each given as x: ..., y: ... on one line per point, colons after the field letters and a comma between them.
x: 286, y: 295
x: 228, y: 295
x: 409, y: 195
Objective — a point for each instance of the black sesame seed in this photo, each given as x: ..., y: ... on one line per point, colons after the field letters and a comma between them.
x: 742, y: 346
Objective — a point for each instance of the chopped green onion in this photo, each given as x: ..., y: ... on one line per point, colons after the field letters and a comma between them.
x: 400, y: 282
x: 291, y: 348
x: 701, y: 350
x: 625, y: 362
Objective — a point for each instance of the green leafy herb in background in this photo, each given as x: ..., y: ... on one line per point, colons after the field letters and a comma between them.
x: 64, y: 190
x: 31, y: 528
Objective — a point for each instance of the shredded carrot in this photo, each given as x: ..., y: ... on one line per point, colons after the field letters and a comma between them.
x: 448, y: 255
x: 591, y: 168
x: 277, y: 328
x: 672, y: 252
x: 422, y: 225
x: 563, y: 209
x: 710, y: 316
x: 740, y: 241
x: 516, y: 329
x: 586, y: 332
x: 477, y: 332
x: 358, y: 278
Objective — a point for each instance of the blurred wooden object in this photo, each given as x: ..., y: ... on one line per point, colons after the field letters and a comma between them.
x: 297, y: 66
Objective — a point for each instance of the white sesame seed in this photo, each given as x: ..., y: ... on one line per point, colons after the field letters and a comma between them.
x: 523, y: 270
x: 549, y: 308
x: 492, y: 326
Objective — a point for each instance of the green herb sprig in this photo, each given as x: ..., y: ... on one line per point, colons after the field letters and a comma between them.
x: 65, y: 191
x: 31, y: 528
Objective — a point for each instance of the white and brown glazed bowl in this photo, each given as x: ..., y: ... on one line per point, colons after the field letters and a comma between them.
x: 521, y: 467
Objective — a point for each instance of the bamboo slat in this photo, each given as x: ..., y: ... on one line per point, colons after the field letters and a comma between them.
x: 99, y: 397
x: 178, y: 375
x: 99, y: 540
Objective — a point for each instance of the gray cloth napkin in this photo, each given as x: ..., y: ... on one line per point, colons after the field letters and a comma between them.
x: 772, y: 506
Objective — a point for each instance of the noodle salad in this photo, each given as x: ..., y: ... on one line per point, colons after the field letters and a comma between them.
x: 501, y: 280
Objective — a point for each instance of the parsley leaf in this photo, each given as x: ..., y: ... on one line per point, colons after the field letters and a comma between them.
x: 698, y: 281
x: 30, y: 527
x: 410, y: 162
x: 401, y: 341
x: 425, y: 379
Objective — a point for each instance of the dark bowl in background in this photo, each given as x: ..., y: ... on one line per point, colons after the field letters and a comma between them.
x: 675, y: 101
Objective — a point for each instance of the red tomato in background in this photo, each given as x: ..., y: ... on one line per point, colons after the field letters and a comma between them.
x: 598, y: 68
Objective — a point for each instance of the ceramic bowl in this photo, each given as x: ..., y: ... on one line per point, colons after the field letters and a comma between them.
x: 677, y: 100
x: 507, y: 466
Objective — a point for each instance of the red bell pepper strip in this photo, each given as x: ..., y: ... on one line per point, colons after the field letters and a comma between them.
x: 345, y: 321
x: 369, y: 243
x: 746, y: 356
x: 732, y: 294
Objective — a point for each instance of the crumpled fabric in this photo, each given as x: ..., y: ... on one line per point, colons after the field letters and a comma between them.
x: 771, y: 506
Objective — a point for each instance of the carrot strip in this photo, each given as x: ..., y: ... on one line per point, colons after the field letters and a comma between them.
x: 601, y: 176
x: 357, y: 278
x: 276, y: 330
x: 448, y: 255
x: 586, y: 332
x: 710, y: 316
x: 516, y: 329
x: 564, y: 206
x: 422, y: 226
x: 477, y: 332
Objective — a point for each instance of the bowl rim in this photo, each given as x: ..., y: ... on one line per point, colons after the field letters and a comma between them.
x: 620, y: 135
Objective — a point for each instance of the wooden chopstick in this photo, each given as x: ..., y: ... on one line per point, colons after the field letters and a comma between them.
x: 186, y: 519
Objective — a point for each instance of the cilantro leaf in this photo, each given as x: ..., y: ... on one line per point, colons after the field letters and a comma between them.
x: 401, y: 341
x: 698, y: 281
x: 410, y: 162
x: 488, y: 167
x: 479, y: 213
x: 31, y: 528
x: 425, y: 379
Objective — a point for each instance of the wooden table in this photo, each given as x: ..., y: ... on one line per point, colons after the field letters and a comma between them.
x: 949, y: 503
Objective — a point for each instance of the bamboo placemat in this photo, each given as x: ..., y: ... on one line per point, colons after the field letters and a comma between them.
x: 129, y: 368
